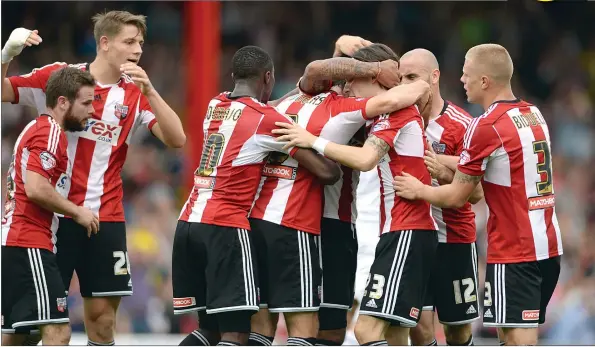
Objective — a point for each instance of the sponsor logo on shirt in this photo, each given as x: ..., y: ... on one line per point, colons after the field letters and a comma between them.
x: 48, y: 161
x: 204, y: 182
x: 279, y: 171
x: 542, y: 202
x: 101, y: 131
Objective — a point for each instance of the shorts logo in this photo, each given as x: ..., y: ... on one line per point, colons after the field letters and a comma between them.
x: 47, y: 160
x: 530, y: 314
x: 184, y: 302
x: 414, y: 313
x: 471, y: 310
x: 62, y: 304
x: 372, y: 304
x: 488, y: 314
x: 439, y: 148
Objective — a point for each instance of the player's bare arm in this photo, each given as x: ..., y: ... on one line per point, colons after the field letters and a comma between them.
x: 19, y: 38
x: 169, y: 126
x: 449, y: 161
x: 397, y: 98
x: 348, y: 45
x: 40, y: 191
x: 275, y: 103
x: 319, y: 74
x: 327, y: 171
x: 452, y: 195
x: 445, y: 175
x: 361, y: 159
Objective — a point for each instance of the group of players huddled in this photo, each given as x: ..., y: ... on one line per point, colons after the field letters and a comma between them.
x: 269, y: 226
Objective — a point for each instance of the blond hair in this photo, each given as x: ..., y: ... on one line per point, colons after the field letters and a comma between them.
x: 110, y: 23
x: 492, y: 60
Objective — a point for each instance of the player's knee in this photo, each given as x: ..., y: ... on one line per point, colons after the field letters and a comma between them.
x: 56, y: 334
x: 302, y: 324
x: 421, y: 335
x: 102, y: 327
x: 369, y: 329
x: 234, y: 322
x: 263, y: 322
x: 336, y: 335
x: 457, y: 333
x: 13, y: 339
x: 521, y: 336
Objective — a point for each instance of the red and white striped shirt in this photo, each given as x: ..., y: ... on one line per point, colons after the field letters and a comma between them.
x: 97, y: 153
x: 238, y: 138
x: 446, y: 133
x: 296, y: 201
x: 41, y: 148
x: 510, y: 146
x: 403, y: 132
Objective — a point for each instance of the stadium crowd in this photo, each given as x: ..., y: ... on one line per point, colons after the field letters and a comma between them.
x: 554, y: 58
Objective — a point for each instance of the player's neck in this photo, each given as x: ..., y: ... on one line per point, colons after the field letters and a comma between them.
x: 243, y: 88
x: 103, y: 72
x: 502, y: 94
x: 437, y: 105
x: 59, y: 118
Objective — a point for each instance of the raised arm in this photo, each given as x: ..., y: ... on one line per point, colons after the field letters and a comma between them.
x: 19, y: 38
x: 396, y: 98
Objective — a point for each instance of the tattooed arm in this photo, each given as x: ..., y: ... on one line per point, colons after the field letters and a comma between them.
x: 452, y: 195
x: 320, y: 74
x: 359, y: 158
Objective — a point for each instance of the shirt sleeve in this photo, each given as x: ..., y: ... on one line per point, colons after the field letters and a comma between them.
x: 29, y: 89
x: 387, y: 128
x: 480, y: 141
x: 264, y: 133
x: 350, y: 108
x: 45, y: 151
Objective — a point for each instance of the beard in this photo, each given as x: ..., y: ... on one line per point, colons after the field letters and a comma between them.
x: 71, y: 123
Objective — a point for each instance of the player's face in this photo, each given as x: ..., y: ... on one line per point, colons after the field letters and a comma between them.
x: 80, y: 110
x: 126, y: 47
x: 362, y: 88
x: 411, y: 72
x: 471, y: 82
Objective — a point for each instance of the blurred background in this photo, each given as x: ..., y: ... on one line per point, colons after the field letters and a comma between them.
x: 552, y: 46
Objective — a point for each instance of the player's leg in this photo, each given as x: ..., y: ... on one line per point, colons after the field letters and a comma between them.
x: 338, y: 255
x: 232, y: 281
x: 294, y: 280
x: 104, y: 276
x: 189, y: 283
x: 396, y: 287
x: 263, y: 323
x: 512, y: 299
x: 55, y: 334
x: 423, y: 333
x: 456, y: 291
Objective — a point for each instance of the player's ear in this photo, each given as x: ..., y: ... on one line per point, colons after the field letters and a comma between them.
x: 103, y: 40
x: 435, y: 76
x: 267, y: 77
x: 485, y: 82
x: 63, y: 103
x: 233, y: 78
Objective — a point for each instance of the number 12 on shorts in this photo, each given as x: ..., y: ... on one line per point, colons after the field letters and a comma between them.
x: 468, y: 295
x: 122, y: 265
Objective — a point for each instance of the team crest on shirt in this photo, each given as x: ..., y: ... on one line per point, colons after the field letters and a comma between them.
x: 121, y: 111
x: 47, y: 160
x: 439, y: 148
x: 62, y: 304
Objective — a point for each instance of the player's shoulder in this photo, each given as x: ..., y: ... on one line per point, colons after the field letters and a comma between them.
x: 454, y: 117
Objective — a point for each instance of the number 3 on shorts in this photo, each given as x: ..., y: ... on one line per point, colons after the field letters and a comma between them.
x: 377, y: 286
x: 122, y: 265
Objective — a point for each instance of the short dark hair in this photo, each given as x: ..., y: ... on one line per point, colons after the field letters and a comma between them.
x: 376, y: 52
x: 66, y: 82
x: 251, y: 62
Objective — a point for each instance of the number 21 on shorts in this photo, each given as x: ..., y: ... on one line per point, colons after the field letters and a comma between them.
x: 122, y: 265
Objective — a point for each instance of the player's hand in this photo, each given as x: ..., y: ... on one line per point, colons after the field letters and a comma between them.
x: 348, y: 45
x: 389, y: 75
x: 19, y: 38
x: 294, y: 135
x: 138, y: 76
x: 87, y: 219
x: 436, y: 169
x: 407, y: 186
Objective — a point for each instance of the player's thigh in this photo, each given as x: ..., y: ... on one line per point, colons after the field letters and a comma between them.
x: 38, y: 295
x: 231, y: 277
x: 512, y: 295
x: 399, y: 275
x: 293, y: 269
x: 188, y: 269
x: 455, y: 283
x: 105, y: 269
x: 71, y: 245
